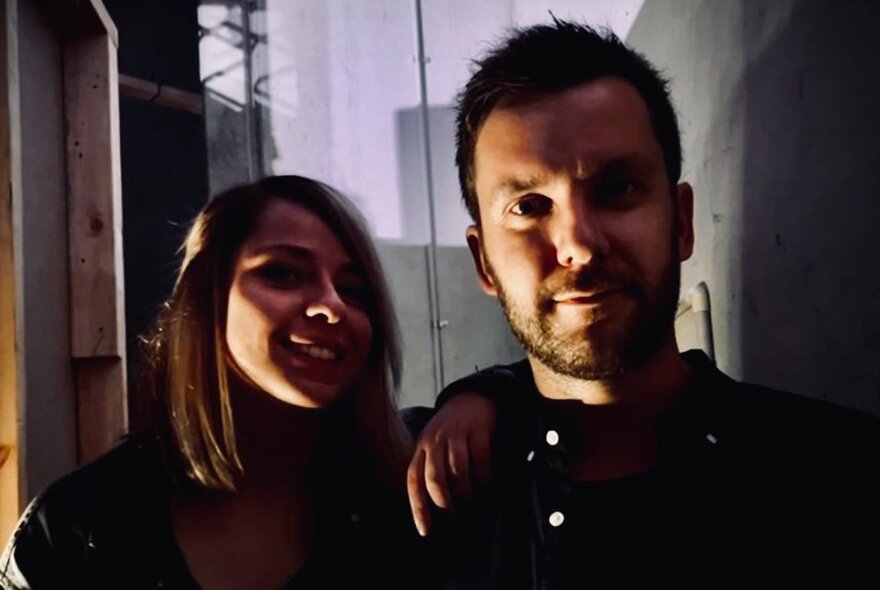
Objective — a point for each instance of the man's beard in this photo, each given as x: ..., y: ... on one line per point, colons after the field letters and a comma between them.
x: 624, y: 348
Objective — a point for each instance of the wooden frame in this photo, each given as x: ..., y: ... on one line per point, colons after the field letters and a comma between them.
x: 88, y: 41
x: 10, y: 359
x: 97, y: 303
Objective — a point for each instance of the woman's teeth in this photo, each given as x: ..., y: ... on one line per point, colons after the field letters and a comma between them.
x: 316, y: 352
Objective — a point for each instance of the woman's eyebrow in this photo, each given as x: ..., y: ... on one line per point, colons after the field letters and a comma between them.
x: 290, y: 250
x: 346, y: 268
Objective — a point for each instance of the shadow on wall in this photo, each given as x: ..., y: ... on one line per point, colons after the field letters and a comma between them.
x: 810, y: 315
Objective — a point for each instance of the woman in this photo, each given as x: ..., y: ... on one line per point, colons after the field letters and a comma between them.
x: 276, y: 457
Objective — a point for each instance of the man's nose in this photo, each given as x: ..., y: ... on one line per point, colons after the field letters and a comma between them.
x: 579, y: 235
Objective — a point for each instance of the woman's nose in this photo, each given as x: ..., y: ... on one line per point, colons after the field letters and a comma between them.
x: 327, y: 303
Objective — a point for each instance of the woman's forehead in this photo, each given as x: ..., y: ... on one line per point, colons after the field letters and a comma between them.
x: 285, y: 223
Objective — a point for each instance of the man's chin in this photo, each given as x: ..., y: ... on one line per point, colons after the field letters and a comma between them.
x: 586, y: 365
x: 592, y: 352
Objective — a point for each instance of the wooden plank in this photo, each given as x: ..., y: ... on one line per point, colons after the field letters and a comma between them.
x: 101, y: 405
x: 97, y: 333
x: 10, y: 360
x: 165, y: 96
x: 94, y: 198
x: 82, y: 18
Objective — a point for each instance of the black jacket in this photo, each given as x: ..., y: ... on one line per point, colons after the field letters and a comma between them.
x: 751, y: 484
x: 108, y: 525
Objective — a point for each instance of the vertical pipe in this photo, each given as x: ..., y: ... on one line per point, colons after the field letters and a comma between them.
x: 251, y: 145
x: 698, y: 297
x: 433, y: 294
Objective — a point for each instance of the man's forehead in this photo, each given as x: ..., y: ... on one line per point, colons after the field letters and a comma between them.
x: 579, y: 131
x: 607, y: 106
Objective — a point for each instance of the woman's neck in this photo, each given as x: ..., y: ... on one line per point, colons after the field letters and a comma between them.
x: 276, y: 440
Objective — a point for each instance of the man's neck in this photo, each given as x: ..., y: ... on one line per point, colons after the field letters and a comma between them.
x: 616, y: 417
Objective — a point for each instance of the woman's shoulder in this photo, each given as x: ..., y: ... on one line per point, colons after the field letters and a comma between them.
x: 121, y: 491
x: 132, y: 471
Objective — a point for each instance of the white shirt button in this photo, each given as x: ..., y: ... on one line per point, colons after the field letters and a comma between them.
x: 556, y: 519
x: 552, y: 438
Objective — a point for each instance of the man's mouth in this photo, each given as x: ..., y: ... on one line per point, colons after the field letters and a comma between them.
x: 584, y: 297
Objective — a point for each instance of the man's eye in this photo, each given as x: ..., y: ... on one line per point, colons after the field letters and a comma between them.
x: 531, y: 206
x: 615, y: 188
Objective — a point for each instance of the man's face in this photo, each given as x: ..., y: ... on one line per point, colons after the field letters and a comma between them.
x: 580, y: 238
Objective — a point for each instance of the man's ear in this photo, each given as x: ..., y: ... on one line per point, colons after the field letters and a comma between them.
x: 474, y: 242
x: 685, y: 210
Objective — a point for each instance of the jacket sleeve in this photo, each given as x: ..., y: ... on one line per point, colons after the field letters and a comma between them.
x: 36, y: 557
x: 498, y: 383
x: 28, y: 548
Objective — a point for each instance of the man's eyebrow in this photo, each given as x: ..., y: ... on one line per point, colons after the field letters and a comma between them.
x: 628, y: 163
x: 632, y: 163
x: 516, y: 184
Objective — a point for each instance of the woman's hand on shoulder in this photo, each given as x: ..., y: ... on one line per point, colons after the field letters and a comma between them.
x: 452, y: 456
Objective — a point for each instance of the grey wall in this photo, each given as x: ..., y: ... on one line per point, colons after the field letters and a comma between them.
x: 450, y: 216
x: 49, y: 411
x: 475, y: 332
x: 779, y: 110
x: 476, y: 335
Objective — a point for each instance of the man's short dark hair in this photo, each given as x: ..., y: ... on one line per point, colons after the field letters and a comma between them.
x: 554, y: 57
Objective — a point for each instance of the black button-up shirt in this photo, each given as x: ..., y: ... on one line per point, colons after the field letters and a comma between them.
x: 750, y: 484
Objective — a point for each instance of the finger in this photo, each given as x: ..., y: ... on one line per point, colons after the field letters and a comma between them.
x: 435, y: 476
x: 459, y: 468
x: 418, y: 494
x: 481, y: 456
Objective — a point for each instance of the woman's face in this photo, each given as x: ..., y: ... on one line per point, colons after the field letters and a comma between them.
x: 296, y: 325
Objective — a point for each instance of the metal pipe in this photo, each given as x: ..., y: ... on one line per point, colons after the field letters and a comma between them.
x: 251, y: 140
x: 433, y: 293
x: 698, y: 297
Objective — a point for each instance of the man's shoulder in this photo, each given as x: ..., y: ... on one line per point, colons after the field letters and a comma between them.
x: 496, y: 383
x: 818, y: 435
x: 753, y: 405
x: 415, y: 418
x: 786, y: 411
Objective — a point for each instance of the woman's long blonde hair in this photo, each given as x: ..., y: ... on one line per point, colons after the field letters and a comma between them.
x: 187, y: 368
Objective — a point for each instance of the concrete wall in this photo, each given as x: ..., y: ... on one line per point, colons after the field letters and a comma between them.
x: 475, y: 333
x: 778, y: 103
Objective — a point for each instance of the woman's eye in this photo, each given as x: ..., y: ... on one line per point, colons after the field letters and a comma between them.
x: 356, y: 294
x: 280, y: 275
x: 531, y: 206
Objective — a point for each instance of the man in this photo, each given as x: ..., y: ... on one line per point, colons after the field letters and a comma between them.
x: 615, y: 454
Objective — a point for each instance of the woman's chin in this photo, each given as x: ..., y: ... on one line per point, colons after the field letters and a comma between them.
x: 310, y: 395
